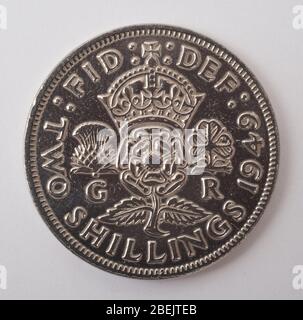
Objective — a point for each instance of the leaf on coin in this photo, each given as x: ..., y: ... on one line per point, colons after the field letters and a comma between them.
x: 129, y: 211
x: 183, y: 212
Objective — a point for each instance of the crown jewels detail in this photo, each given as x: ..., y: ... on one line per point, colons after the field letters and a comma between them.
x: 151, y: 92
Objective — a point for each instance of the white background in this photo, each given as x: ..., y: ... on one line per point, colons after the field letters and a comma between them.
x: 39, y: 35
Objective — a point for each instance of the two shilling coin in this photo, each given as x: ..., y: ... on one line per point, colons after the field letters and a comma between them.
x: 151, y: 151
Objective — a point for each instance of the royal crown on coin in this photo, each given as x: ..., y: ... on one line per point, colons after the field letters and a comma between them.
x: 152, y: 92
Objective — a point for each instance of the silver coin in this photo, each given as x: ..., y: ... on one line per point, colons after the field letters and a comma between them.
x: 97, y: 160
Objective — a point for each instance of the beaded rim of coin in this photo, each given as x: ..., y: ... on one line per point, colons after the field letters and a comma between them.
x: 45, y: 93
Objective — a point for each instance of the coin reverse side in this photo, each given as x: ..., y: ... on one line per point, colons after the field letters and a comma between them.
x: 140, y: 219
